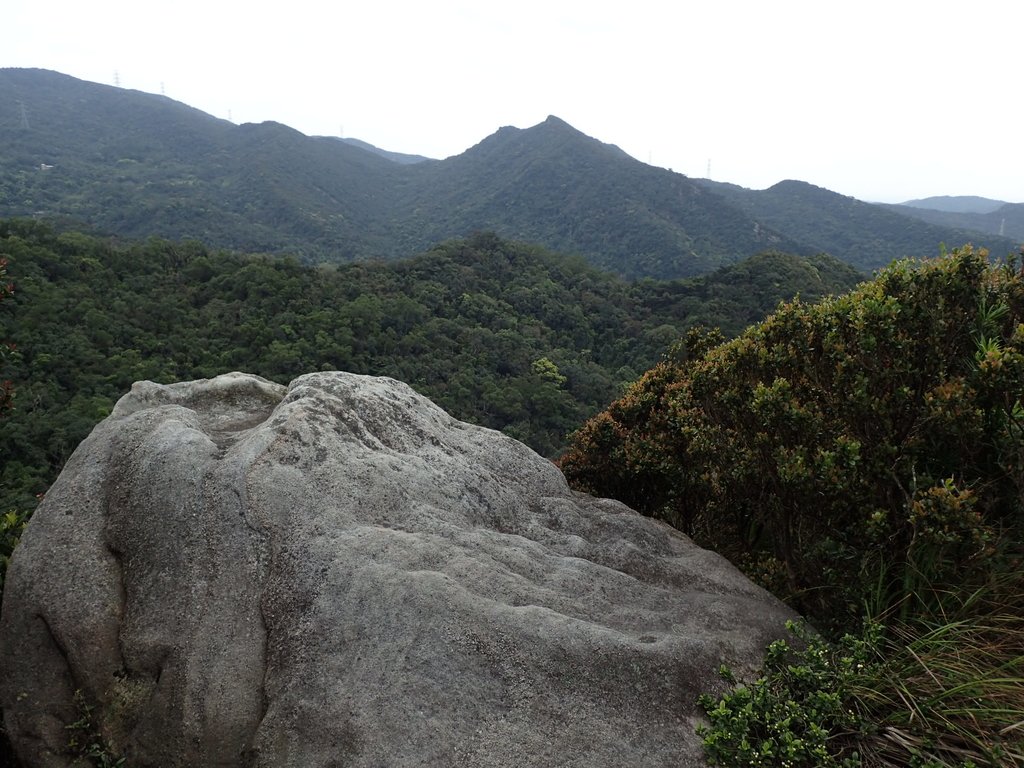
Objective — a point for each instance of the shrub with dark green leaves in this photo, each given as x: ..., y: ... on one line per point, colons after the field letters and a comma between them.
x: 932, y: 692
x: 872, y: 438
x: 86, y: 745
x: 12, y: 525
x: 796, y: 715
x: 863, y: 458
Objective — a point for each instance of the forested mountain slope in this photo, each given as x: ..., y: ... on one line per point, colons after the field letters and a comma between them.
x: 1006, y: 221
x: 134, y: 164
x: 957, y: 203
x: 552, y: 184
x: 138, y: 165
x: 506, y: 335
x: 113, y: 161
x: 866, y: 235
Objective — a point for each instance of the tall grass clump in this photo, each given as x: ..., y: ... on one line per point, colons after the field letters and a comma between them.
x: 947, y: 693
x: 926, y: 693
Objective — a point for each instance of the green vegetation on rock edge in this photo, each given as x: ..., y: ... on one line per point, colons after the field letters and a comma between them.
x: 863, y: 458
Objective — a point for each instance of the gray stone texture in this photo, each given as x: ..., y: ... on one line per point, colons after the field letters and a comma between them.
x: 338, y: 573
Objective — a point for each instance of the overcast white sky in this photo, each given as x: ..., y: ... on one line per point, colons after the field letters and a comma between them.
x: 883, y: 100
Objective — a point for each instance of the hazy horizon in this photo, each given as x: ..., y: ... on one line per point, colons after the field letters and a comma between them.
x: 880, y: 102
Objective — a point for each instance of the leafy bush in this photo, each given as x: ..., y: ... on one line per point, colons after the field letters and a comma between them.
x: 935, y: 691
x: 863, y: 458
x: 86, y: 743
x: 12, y: 525
x: 796, y: 714
x: 869, y: 439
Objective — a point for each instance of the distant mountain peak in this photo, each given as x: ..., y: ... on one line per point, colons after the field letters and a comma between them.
x: 154, y: 166
x: 793, y: 185
x: 551, y: 133
x: 270, y: 125
x: 807, y: 190
x: 557, y: 122
x: 550, y: 124
x: 554, y: 125
x: 957, y: 204
x: 556, y: 128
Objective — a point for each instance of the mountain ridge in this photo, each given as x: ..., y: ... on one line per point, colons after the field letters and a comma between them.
x: 135, y: 165
x: 861, y: 231
x: 402, y: 158
x: 957, y: 203
x: 1007, y: 220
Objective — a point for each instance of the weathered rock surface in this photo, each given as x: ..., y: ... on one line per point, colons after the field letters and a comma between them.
x: 338, y: 573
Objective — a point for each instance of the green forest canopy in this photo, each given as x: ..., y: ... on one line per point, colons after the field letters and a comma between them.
x: 501, y: 334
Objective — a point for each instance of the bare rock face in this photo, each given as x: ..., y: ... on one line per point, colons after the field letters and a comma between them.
x: 337, y: 573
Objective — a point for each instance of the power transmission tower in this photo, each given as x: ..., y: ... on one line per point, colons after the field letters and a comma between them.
x: 24, y: 115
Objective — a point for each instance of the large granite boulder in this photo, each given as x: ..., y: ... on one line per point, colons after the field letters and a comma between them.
x: 338, y: 573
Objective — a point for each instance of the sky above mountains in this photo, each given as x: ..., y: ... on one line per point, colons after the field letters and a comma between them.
x: 882, y: 101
